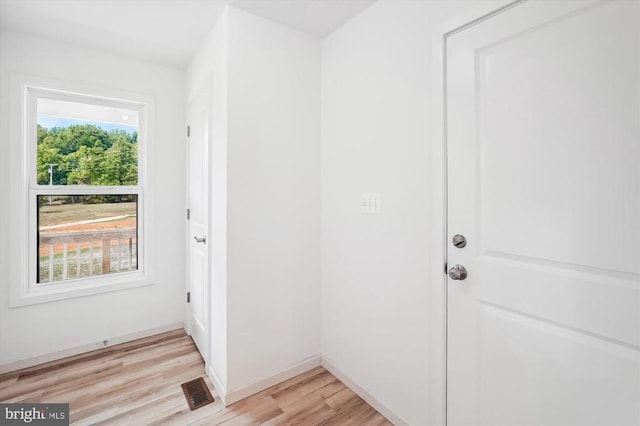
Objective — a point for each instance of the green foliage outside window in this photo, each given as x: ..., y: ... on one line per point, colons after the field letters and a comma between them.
x: 87, y: 155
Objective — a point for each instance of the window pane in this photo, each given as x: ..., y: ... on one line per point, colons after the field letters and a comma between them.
x: 86, y: 144
x: 86, y: 235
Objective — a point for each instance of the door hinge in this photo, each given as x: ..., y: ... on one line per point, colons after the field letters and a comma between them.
x: 188, y: 214
x: 188, y: 297
x: 188, y: 131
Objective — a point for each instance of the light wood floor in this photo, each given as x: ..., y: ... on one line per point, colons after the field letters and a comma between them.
x: 138, y: 383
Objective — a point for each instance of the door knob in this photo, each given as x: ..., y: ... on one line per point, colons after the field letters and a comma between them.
x: 458, y: 272
x: 202, y: 239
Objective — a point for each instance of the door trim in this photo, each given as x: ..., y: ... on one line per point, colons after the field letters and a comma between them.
x: 204, y: 88
x: 437, y: 398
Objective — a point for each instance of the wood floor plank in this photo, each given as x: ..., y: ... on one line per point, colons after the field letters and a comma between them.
x: 139, y: 383
x: 8, y: 379
x: 310, y: 410
x: 101, y: 353
x: 292, y: 402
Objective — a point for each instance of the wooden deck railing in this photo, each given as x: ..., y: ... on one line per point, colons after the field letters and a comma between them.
x: 87, y: 253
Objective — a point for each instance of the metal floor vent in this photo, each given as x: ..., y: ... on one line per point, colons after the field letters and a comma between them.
x: 197, y: 393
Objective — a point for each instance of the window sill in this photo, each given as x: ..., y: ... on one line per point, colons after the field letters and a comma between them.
x: 76, y: 288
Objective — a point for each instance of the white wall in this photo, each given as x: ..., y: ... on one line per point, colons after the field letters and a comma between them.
x: 376, y: 137
x: 265, y: 197
x: 274, y: 198
x: 58, y: 326
x: 209, y: 67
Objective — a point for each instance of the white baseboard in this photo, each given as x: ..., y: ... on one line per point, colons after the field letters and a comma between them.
x: 217, y: 384
x: 54, y: 356
x: 230, y: 397
x: 358, y: 390
x: 260, y: 385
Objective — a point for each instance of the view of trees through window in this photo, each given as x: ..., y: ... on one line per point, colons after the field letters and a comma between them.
x: 87, y: 155
x: 84, y: 234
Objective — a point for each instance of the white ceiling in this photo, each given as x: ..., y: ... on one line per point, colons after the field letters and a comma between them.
x: 162, y: 31
x: 315, y: 17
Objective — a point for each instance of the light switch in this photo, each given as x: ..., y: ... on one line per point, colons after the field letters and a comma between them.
x: 370, y: 203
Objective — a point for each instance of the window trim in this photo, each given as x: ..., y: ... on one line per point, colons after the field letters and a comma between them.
x: 25, y: 290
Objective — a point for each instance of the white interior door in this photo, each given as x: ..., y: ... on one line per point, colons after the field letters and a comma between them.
x: 198, y: 221
x: 543, y: 131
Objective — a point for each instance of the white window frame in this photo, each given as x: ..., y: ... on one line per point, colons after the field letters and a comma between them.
x: 25, y: 289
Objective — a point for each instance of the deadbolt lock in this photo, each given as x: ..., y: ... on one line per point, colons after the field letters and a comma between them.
x: 459, y: 240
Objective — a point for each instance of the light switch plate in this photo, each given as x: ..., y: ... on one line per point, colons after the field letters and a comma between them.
x: 370, y: 203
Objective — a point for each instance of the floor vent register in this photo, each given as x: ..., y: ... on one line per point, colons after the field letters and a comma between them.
x: 197, y: 393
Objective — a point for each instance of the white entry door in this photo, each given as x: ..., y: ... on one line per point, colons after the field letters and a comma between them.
x: 543, y: 137
x: 198, y: 243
